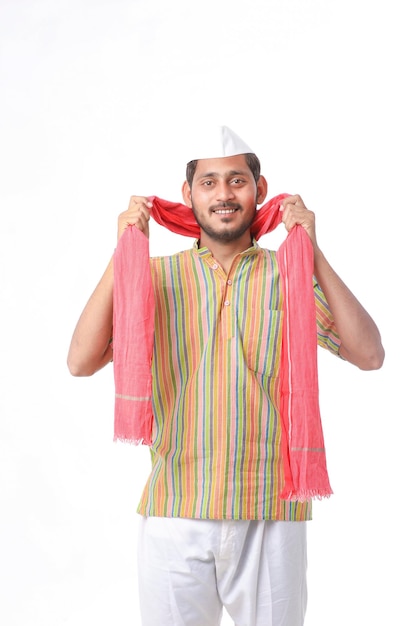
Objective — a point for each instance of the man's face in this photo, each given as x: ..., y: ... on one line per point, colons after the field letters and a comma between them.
x: 223, y: 197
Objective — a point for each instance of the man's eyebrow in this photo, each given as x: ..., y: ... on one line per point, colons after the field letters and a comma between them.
x: 227, y: 174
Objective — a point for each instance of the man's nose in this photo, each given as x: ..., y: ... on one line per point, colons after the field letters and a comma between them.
x: 224, y: 191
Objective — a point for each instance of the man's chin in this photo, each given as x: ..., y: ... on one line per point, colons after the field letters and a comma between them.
x: 226, y: 235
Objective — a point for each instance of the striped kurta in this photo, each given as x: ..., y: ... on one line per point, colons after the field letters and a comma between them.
x: 216, y: 440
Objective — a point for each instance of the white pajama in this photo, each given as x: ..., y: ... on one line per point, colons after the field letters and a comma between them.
x: 190, y: 569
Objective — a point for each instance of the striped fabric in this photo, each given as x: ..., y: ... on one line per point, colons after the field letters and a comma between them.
x: 215, y: 451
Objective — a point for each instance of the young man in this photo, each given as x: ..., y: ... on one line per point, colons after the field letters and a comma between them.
x: 214, y: 531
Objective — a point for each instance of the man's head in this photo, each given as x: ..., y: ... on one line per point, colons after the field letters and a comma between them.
x: 221, y: 141
x: 224, y: 186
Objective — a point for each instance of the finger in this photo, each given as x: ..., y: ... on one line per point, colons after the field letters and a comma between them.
x: 287, y: 211
x: 143, y: 219
x: 136, y: 212
x: 294, y: 200
x: 140, y: 200
x: 143, y: 224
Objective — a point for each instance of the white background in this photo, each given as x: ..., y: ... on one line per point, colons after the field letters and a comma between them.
x: 96, y: 99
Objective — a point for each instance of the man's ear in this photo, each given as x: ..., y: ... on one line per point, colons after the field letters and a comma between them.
x: 262, y: 189
x: 186, y: 194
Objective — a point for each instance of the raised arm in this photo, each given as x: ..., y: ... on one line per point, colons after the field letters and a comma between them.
x: 90, y: 347
x: 360, y: 338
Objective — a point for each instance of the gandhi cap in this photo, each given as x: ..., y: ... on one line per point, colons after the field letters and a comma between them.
x: 217, y: 142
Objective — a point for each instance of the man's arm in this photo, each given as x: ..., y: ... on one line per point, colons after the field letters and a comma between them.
x: 90, y: 347
x: 360, y: 338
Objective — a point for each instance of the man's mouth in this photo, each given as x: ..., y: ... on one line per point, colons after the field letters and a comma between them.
x: 224, y: 211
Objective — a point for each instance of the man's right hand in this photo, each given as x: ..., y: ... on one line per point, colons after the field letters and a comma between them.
x: 137, y: 214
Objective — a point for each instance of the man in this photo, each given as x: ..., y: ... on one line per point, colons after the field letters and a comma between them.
x: 214, y: 531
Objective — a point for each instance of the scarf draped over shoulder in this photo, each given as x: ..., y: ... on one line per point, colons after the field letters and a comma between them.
x: 302, y: 443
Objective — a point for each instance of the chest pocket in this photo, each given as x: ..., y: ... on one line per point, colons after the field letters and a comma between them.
x: 261, y: 332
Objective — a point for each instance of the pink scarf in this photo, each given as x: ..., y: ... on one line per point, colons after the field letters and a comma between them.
x: 302, y: 443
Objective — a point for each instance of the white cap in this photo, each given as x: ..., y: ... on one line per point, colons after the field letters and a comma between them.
x: 217, y: 142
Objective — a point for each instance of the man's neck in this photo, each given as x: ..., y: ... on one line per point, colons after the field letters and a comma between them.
x: 225, y: 251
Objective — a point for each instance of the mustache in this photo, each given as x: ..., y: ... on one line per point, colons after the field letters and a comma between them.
x: 225, y: 205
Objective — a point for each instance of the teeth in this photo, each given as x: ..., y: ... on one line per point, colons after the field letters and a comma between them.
x: 224, y: 211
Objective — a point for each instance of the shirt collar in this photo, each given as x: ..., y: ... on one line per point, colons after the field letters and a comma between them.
x: 205, y: 252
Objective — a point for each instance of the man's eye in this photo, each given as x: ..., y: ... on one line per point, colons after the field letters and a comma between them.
x: 237, y: 181
x: 208, y: 183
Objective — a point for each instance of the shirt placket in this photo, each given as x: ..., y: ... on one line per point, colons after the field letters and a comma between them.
x: 226, y: 312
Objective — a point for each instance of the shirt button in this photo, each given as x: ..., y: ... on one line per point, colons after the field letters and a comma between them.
x: 226, y: 303
x: 215, y: 266
x: 229, y: 282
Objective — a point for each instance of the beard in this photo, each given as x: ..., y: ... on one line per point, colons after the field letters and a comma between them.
x: 226, y: 233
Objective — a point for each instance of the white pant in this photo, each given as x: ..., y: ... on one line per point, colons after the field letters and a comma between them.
x: 190, y: 569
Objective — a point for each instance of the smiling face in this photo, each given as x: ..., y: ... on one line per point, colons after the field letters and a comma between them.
x: 223, y: 197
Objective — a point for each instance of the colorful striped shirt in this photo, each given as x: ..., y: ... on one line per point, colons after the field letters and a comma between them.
x: 216, y: 441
